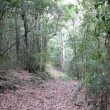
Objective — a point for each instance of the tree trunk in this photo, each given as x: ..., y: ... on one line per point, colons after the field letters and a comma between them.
x: 1, y: 26
x: 104, y: 99
x: 24, y: 18
x: 75, y: 54
x: 1, y: 35
x: 76, y: 65
x: 38, y: 41
x: 44, y: 53
x: 62, y: 50
x: 17, y: 37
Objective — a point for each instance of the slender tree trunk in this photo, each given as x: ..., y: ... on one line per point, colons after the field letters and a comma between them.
x: 24, y: 18
x: 17, y: 37
x: 75, y: 55
x: 38, y: 41
x: 108, y: 48
x: 41, y: 44
x: 44, y: 53
x: 85, y: 39
x: 62, y: 49
x: 1, y: 25
x: 105, y: 94
x: 1, y: 35
x: 104, y: 98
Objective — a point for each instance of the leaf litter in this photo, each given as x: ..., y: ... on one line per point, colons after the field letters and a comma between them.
x: 52, y: 94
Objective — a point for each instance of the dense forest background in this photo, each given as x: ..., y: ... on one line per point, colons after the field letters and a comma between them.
x: 74, y: 37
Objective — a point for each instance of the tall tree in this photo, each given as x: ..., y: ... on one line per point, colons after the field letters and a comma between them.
x: 26, y: 29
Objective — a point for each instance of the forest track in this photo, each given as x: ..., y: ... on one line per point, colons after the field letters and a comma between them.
x: 53, y: 94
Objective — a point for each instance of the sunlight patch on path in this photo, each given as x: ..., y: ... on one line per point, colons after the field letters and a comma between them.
x: 62, y: 76
x: 55, y: 73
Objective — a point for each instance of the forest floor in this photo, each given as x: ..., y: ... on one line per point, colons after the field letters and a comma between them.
x: 52, y: 94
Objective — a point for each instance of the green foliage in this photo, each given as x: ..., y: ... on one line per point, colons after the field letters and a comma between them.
x: 42, y: 5
x: 14, y: 2
x: 98, y: 4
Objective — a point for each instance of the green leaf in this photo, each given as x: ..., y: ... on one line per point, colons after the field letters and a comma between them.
x: 98, y: 4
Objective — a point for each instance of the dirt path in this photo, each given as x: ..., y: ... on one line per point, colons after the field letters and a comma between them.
x: 53, y: 70
x: 53, y: 94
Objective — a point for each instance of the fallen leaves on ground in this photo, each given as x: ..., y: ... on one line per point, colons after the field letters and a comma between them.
x: 53, y: 94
